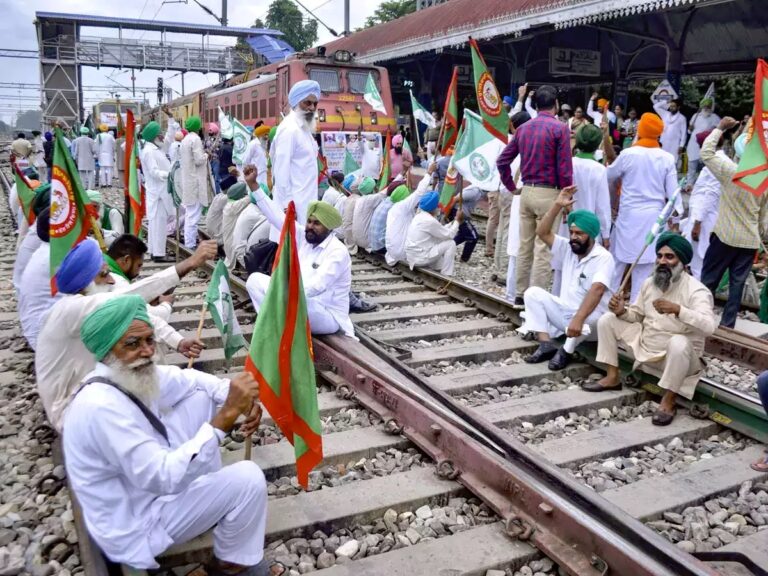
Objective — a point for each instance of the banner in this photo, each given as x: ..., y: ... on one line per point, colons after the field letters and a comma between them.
x: 335, y: 145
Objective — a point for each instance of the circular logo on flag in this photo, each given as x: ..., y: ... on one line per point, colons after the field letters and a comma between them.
x: 479, y: 167
x: 488, y: 95
x: 63, y: 214
x: 239, y: 145
x: 451, y: 176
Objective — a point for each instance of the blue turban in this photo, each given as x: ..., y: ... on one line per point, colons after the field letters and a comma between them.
x: 508, y: 101
x: 302, y: 90
x: 429, y: 201
x: 79, y: 267
x: 348, y: 181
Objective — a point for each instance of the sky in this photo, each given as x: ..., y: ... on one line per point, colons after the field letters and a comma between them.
x: 17, y: 31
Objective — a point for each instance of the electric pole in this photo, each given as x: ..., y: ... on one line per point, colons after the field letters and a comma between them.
x: 224, y: 13
x: 346, y: 17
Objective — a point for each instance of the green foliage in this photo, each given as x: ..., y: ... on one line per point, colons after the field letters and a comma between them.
x: 285, y: 16
x: 390, y: 10
x: 734, y: 95
x: 29, y: 120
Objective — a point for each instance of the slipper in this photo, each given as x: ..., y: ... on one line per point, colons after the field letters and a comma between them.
x: 595, y: 386
x: 661, y: 418
x: 759, y: 466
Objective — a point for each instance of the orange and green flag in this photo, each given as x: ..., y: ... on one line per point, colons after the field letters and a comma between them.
x: 450, y: 115
x: 451, y: 183
x: 495, y: 119
x: 25, y: 188
x: 133, y: 188
x: 752, y: 172
x: 281, y: 359
x: 386, y: 164
x: 71, y: 212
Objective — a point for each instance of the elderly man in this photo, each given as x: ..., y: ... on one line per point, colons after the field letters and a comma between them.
x: 61, y: 361
x: 294, y: 153
x: 400, y: 217
x: 142, y: 450
x: 705, y: 120
x: 110, y: 218
x: 85, y: 152
x: 155, y: 167
x: 326, y: 268
x: 664, y: 328
x: 648, y: 179
x: 105, y: 144
x: 675, y: 127
x: 428, y: 243
x: 195, y: 179
x: 587, y: 274
x: 738, y: 231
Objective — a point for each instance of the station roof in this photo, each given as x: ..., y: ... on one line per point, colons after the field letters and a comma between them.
x: 450, y: 23
x: 150, y: 25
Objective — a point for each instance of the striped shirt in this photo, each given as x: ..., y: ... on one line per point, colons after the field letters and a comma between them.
x: 377, y: 232
x: 741, y: 213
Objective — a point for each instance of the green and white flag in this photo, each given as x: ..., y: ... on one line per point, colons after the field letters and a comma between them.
x: 372, y: 96
x: 421, y: 114
x: 232, y: 128
x: 218, y: 299
x: 476, y: 153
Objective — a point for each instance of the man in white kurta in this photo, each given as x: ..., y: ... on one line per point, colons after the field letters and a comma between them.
x: 587, y: 274
x: 175, y: 148
x: 326, y: 268
x: 105, y: 144
x: 195, y: 179
x: 110, y: 218
x: 294, y: 153
x: 370, y: 163
x: 142, y: 450
x: 35, y: 294
x: 237, y: 201
x: 28, y: 246
x: 251, y: 227
x: 675, y: 127
x: 705, y: 120
x: 428, y: 243
x: 364, y: 209
x: 38, y: 156
x: 648, y: 179
x: 400, y: 217
x: 84, y: 151
x: 155, y: 167
x: 598, y: 113
x: 256, y: 153
x: 61, y: 360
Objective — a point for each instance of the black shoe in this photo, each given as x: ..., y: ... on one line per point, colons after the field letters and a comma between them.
x: 362, y: 306
x: 544, y: 352
x: 519, y: 303
x: 560, y: 360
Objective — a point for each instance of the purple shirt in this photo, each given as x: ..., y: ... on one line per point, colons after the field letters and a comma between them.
x: 544, y: 145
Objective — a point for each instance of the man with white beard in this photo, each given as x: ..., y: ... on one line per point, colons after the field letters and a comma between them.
x: 142, y: 450
x: 294, y: 153
x: 664, y: 328
x: 61, y: 361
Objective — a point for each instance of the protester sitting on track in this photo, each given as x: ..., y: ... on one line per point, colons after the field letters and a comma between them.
x: 31, y: 241
x: 215, y: 215
x: 326, y: 268
x: 110, y: 219
x: 665, y: 328
x: 61, y: 361
x: 364, y: 209
x: 34, y: 290
x: 377, y: 231
x: 237, y: 201
x: 400, y: 217
x: 428, y: 243
x: 142, y: 450
x: 587, y: 273
x: 350, y: 230
x: 251, y: 227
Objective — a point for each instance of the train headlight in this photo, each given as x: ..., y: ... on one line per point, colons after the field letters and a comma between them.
x: 374, y: 118
x: 321, y: 115
x: 342, y: 56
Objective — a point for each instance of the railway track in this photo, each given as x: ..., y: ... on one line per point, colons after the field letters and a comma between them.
x: 446, y: 454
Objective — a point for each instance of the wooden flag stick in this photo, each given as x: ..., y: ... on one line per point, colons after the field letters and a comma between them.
x: 97, y: 233
x: 628, y: 275
x: 199, y: 329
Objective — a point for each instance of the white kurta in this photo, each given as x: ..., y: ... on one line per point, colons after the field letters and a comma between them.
x: 703, y: 207
x: 294, y: 168
x: 399, y: 219
x: 255, y: 155
x: 648, y: 179
x: 370, y: 163
x: 38, y: 153
x: 155, y: 167
x: 214, y: 217
x: 591, y: 181
x: 326, y: 268
x: 35, y: 293
x: 173, y: 151
x: 700, y: 123
x: 597, y: 116
x: 195, y: 174
x: 61, y: 360
x: 361, y: 220
x: 84, y: 151
x: 232, y: 211
x: 425, y: 235
x: 675, y: 129
x: 250, y: 222
x: 141, y: 493
x: 27, y: 247
x: 105, y: 144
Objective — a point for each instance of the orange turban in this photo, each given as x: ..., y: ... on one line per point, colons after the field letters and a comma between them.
x: 649, y: 130
x: 602, y: 103
x: 262, y: 130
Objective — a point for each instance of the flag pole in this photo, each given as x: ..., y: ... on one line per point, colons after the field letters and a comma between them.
x: 178, y: 235
x: 97, y: 233
x: 199, y: 328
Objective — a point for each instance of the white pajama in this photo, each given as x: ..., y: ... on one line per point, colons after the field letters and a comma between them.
x: 87, y: 178
x: 321, y: 321
x: 105, y: 175
x: 442, y: 258
x: 547, y: 313
x: 192, y: 213
x: 511, y: 279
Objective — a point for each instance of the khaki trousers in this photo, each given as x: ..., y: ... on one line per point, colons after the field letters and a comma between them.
x: 500, y: 257
x: 494, y: 211
x: 678, y: 370
x: 533, y: 257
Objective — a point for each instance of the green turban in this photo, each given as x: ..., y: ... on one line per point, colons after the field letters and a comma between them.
x: 678, y: 244
x: 400, y: 193
x: 193, y: 124
x: 588, y: 138
x: 586, y: 221
x: 42, y: 198
x: 84, y: 130
x: 325, y: 213
x: 706, y: 103
x: 94, y: 196
x: 237, y: 191
x: 151, y: 131
x: 366, y: 186
x: 104, y: 327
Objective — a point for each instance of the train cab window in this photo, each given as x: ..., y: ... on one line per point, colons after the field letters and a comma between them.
x: 108, y: 108
x: 247, y: 110
x: 357, y: 81
x: 328, y: 79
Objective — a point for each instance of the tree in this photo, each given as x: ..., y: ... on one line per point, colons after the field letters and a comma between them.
x: 390, y: 10
x: 29, y: 120
x: 283, y: 15
x: 241, y: 45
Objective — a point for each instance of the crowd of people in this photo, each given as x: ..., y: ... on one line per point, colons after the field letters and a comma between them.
x: 142, y: 439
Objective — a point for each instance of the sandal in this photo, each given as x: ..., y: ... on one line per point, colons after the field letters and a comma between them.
x: 761, y: 466
x: 661, y: 418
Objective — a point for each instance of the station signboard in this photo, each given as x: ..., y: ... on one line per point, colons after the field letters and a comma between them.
x: 573, y: 62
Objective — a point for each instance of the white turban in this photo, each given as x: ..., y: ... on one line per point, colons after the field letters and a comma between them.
x: 302, y: 90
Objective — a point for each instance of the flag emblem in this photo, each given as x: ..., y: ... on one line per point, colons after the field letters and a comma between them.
x: 479, y: 167
x: 488, y: 95
x: 63, y: 213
